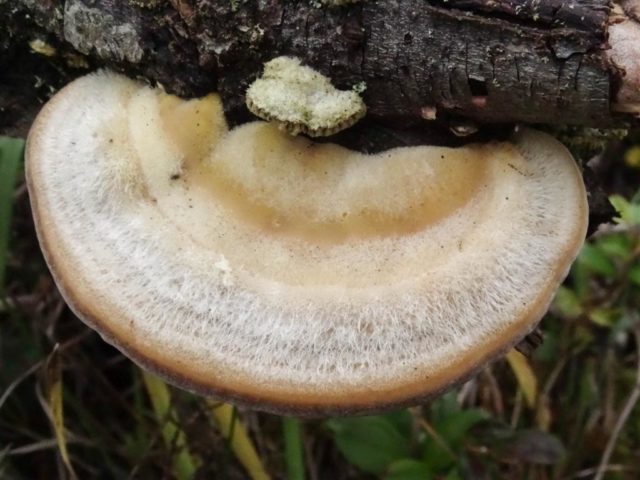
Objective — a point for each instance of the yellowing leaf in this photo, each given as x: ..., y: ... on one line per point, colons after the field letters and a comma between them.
x: 53, y: 396
x: 184, y: 466
x: 544, y: 416
x: 604, y: 317
x: 233, y: 430
x: 632, y: 157
x: 526, y: 377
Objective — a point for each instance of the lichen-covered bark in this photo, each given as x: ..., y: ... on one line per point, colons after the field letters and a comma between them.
x: 144, y: 38
x: 540, y: 61
x: 417, y: 56
x: 590, y: 16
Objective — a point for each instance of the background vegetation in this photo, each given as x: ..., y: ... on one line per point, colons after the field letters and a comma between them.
x: 71, y: 406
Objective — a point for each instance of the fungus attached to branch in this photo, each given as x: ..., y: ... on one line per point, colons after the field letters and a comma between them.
x: 293, y: 276
x: 299, y: 99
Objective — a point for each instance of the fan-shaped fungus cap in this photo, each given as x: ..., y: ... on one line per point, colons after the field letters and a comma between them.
x: 288, y: 275
x: 299, y: 99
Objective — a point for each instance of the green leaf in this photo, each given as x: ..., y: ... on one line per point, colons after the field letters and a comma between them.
x: 629, y: 212
x: 453, y: 475
x: 403, y: 421
x: 619, y: 203
x: 580, y: 279
x: 11, y: 152
x: 455, y: 428
x: 615, y: 245
x: 550, y: 348
x: 444, y: 406
x: 452, y: 430
x: 634, y: 275
x: 408, y: 469
x: 568, y: 303
x: 596, y: 261
x: 604, y: 317
x: 370, y: 443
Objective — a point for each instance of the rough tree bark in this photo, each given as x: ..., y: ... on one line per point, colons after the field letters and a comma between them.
x: 499, y: 61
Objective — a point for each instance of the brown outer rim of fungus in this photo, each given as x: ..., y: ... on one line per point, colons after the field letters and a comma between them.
x: 281, y: 401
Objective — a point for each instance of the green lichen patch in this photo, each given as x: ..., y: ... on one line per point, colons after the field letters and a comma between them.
x: 338, y: 3
x: 148, y: 4
x: 302, y: 100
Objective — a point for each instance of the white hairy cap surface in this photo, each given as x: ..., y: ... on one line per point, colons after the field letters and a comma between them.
x: 287, y: 275
x: 300, y: 99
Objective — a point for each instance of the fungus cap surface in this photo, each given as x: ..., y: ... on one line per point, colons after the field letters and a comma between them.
x: 288, y: 275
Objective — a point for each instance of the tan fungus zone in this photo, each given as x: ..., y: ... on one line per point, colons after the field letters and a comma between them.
x: 292, y: 276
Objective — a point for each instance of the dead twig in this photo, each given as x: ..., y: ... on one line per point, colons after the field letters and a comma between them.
x: 588, y: 472
x: 624, y: 415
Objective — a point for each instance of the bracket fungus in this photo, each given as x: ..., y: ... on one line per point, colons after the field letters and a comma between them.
x: 288, y: 275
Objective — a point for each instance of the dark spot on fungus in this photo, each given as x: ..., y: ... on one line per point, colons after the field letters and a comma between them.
x: 511, y: 165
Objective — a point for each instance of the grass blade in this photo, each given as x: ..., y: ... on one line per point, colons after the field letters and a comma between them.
x: 234, y: 431
x: 184, y: 467
x: 53, y: 392
x: 11, y: 152
x: 293, y: 448
x: 525, y: 375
